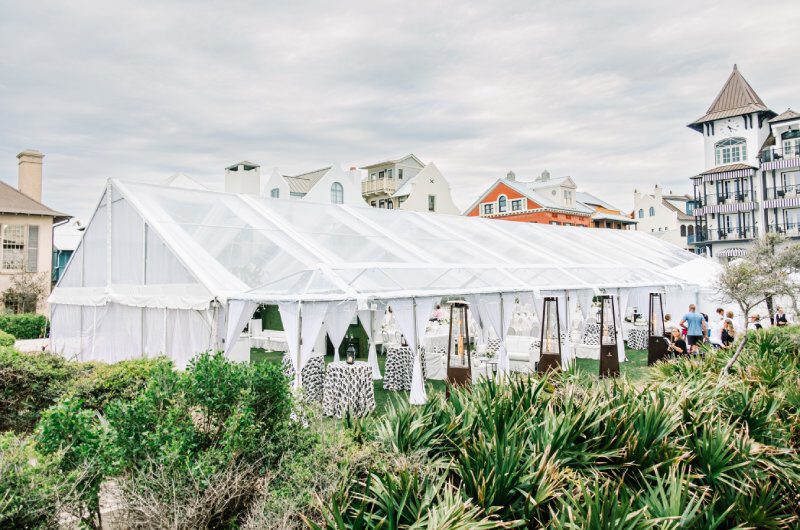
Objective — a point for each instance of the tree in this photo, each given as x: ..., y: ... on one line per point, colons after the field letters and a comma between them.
x: 762, y: 274
x: 25, y: 293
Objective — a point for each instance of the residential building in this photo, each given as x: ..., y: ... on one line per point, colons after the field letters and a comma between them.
x: 328, y: 184
x: 750, y: 166
x: 66, y: 238
x: 545, y: 200
x: 26, y: 228
x: 667, y: 216
x: 407, y: 183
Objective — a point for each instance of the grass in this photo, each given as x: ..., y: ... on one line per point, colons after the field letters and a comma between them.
x: 635, y: 369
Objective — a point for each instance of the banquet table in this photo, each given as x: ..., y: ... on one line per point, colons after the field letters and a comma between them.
x: 348, y: 387
x: 399, y: 368
x: 637, y: 338
x: 312, y: 374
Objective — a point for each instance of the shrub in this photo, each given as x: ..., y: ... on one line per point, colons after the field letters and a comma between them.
x: 30, y: 383
x: 30, y: 488
x: 6, y: 339
x: 98, y: 383
x: 24, y: 325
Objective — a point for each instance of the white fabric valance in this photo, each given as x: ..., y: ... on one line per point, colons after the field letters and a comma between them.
x: 171, y: 296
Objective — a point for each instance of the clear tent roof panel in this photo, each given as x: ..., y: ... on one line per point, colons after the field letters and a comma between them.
x: 277, y: 247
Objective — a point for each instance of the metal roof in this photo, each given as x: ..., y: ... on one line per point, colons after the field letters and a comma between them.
x: 729, y: 167
x: 736, y: 98
x: 786, y: 115
x: 14, y: 201
x: 303, y: 182
x: 395, y: 161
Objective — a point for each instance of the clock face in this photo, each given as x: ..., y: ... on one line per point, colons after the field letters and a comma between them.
x: 731, y: 126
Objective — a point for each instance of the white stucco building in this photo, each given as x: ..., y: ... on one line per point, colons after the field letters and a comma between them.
x: 752, y: 168
x: 667, y: 216
x: 406, y: 183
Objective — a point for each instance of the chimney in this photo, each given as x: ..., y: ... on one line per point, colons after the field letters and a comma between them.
x: 637, y: 195
x: 511, y: 176
x: 30, y: 174
x: 244, y: 177
x: 657, y: 193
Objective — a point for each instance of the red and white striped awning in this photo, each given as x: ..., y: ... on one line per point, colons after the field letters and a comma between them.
x: 732, y: 252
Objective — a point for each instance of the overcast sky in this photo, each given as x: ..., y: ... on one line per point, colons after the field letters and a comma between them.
x: 600, y: 91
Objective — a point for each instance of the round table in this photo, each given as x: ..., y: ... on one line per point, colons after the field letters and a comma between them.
x: 348, y: 387
x: 399, y: 368
x: 637, y: 338
x: 312, y: 376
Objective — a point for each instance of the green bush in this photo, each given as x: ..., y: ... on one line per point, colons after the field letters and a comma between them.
x: 98, y: 383
x: 30, y: 488
x: 24, y: 325
x: 30, y: 383
x: 6, y: 339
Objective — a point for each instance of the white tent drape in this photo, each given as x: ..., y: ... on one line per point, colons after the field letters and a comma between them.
x: 366, y: 317
x: 622, y: 307
x: 290, y: 318
x: 499, y: 309
x: 479, y: 312
x: 239, y: 313
x: 571, y: 309
x: 338, y: 318
x: 404, y: 312
x: 311, y: 322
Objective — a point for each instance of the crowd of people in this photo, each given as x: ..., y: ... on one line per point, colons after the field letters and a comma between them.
x: 720, y: 331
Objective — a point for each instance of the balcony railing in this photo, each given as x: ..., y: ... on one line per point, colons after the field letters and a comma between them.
x: 732, y: 196
x: 783, y: 192
x: 378, y: 186
x: 775, y: 153
x: 726, y: 234
x: 787, y: 229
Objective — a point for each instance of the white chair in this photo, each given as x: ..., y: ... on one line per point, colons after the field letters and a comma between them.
x: 522, y: 355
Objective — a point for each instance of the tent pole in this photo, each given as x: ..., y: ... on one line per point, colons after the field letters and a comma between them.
x: 416, y: 341
x: 297, y: 381
x: 503, y: 331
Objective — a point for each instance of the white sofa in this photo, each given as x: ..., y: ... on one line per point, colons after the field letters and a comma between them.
x: 522, y: 353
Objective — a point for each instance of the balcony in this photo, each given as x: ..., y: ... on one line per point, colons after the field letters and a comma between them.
x: 728, y: 197
x: 783, y: 192
x: 787, y: 229
x: 379, y: 186
x: 773, y: 154
x: 726, y: 234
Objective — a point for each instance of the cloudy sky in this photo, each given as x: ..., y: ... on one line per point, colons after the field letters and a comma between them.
x: 600, y: 91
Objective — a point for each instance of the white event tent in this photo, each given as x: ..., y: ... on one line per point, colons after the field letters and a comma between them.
x: 166, y: 270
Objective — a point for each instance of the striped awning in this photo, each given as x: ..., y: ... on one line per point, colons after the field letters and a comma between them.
x: 781, y: 164
x: 782, y: 203
x: 739, y: 173
x: 726, y: 208
x: 732, y: 252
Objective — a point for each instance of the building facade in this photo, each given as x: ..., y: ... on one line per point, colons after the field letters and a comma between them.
x: 667, y: 216
x: 546, y: 201
x: 407, y: 183
x: 749, y: 185
x: 26, y: 229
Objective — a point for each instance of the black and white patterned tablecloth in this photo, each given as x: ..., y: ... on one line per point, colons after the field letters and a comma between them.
x: 313, y: 376
x: 399, y: 368
x: 591, y: 335
x: 637, y: 338
x: 348, y: 386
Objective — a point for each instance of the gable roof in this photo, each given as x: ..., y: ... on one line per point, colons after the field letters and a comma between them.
x: 551, y: 183
x: 181, y: 180
x: 786, y: 115
x: 682, y: 215
x: 736, y: 98
x: 588, y: 198
x: 542, y: 200
x: 396, y: 161
x: 303, y: 182
x: 14, y: 201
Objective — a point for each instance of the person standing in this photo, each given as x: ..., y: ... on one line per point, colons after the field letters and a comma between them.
x: 755, y: 323
x: 728, y: 334
x: 677, y: 345
x: 696, y: 327
x: 716, y: 325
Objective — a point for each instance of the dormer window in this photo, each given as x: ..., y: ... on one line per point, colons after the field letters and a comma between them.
x: 502, y: 204
x: 731, y: 150
x: 791, y: 144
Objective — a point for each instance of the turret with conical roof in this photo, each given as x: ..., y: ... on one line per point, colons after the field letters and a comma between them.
x: 736, y: 98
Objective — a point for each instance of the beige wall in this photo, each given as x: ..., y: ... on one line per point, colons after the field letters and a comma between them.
x: 45, y: 261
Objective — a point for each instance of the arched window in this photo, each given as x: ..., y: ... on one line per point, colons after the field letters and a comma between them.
x: 731, y: 150
x: 652, y: 211
x: 337, y: 193
x: 641, y: 213
x: 691, y: 230
x: 501, y: 203
x: 683, y: 230
x: 275, y: 192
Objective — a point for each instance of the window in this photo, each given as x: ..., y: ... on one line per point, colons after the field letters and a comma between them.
x: 683, y: 230
x: 401, y: 200
x: 337, y: 193
x: 501, y: 204
x: 731, y: 150
x: 400, y: 174
x: 516, y: 204
x: 32, y: 262
x: 381, y: 203
x: 431, y: 203
x: 373, y: 176
x: 13, y: 247
x: 275, y: 193
x: 691, y: 230
x: 791, y: 144
x: 555, y: 223
x: 381, y: 174
x: 652, y: 212
x: 388, y: 173
x: 389, y: 204
x: 488, y: 209
x: 373, y: 204
x: 567, y: 197
x: 641, y: 213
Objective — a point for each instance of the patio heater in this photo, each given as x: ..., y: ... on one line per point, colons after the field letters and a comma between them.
x: 656, y: 341
x: 609, y: 361
x: 459, y: 362
x: 550, y: 340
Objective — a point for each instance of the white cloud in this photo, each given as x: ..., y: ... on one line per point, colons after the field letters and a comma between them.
x: 598, y: 91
